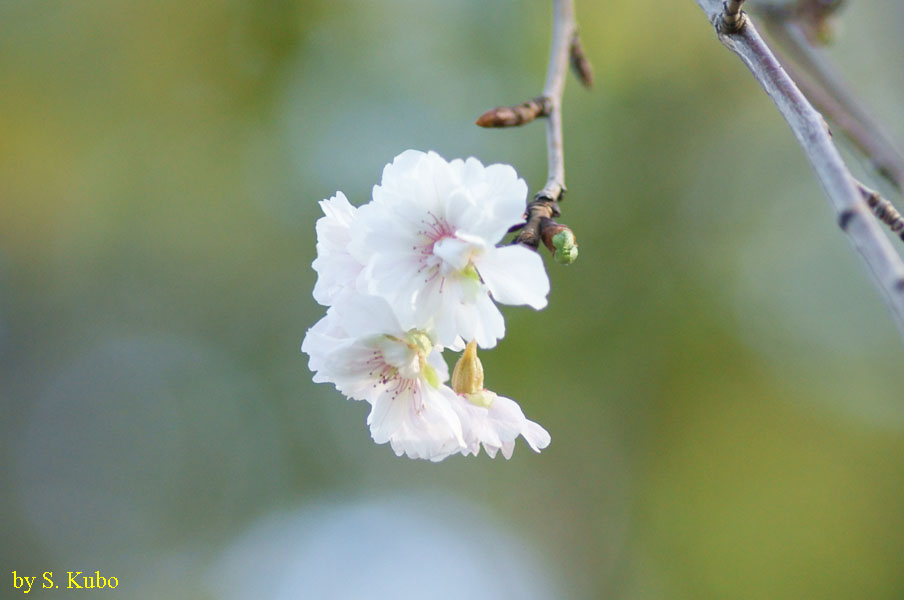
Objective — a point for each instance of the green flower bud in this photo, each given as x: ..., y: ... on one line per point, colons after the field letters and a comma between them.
x: 566, y: 247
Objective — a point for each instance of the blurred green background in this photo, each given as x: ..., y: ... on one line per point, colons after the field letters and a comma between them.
x: 719, y: 377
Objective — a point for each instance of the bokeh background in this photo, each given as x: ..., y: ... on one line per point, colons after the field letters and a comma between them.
x: 720, y: 379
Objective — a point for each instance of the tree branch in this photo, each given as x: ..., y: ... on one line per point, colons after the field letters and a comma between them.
x: 828, y: 90
x: 559, y: 53
x: 539, y: 224
x: 807, y: 125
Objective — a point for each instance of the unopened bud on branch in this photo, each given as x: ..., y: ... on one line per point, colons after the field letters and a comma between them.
x: 566, y: 247
x: 560, y: 240
x: 512, y: 116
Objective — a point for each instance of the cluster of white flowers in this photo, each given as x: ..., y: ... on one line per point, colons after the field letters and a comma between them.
x: 412, y: 272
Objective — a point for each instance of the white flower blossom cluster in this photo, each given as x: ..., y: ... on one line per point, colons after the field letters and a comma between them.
x: 412, y: 272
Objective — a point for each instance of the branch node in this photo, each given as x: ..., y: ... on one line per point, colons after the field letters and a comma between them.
x: 540, y: 210
x: 552, y: 193
x: 733, y: 18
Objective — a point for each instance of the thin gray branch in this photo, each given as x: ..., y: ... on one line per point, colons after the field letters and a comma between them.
x: 540, y: 225
x: 562, y: 35
x: 829, y: 91
x: 807, y: 125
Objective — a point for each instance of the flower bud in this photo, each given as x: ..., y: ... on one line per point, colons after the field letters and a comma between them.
x: 566, y: 247
x: 467, y: 377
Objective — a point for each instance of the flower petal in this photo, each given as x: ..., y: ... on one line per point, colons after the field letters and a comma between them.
x: 362, y: 316
x: 498, y: 198
x: 497, y: 427
x: 515, y: 275
x: 418, y: 421
x: 336, y: 268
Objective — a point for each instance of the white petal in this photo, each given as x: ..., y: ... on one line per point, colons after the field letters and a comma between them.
x: 355, y: 370
x: 498, y: 200
x: 362, y: 316
x: 418, y: 422
x: 457, y: 316
x: 498, y: 427
x: 537, y: 437
x: 482, y: 322
x: 515, y: 275
x: 511, y: 422
x: 321, y: 340
x: 336, y: 268
x: 402, y: 167
x: 508, y: 449
x: 338, y: 210
x: 435, y: 359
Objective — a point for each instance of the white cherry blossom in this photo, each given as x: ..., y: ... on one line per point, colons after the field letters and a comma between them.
x: 360, y: 348
x: 496, y: 422
x: 411, y: 272
x: 428, y: 245
x: 487, y: 418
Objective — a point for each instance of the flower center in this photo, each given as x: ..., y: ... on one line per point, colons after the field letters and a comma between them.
x: 456, y: 254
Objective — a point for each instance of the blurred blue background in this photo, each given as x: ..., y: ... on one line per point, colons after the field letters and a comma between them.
x: 720, y: 379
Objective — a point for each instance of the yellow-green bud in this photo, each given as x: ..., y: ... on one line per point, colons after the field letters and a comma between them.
x: 566, y: 247
x: 467, y: 377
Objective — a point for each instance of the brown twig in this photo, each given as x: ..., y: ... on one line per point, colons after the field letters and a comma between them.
x: 539, y: 224
x: 807, y: 125
x: 579, y: 63
x: 540, y: 213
